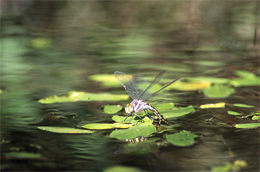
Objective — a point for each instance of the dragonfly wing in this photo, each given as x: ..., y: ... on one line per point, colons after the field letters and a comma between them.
x: 129, y: 83
x: 148, y: 92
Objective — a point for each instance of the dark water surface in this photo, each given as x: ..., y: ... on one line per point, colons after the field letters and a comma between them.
x: 52, y: 47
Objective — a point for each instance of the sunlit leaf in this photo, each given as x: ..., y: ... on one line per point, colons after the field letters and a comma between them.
x: 243, y: 105
x: 101, y: 126
x: 183, y: 138
x: 256, y: 118
x: 215, y: 105
x: 190, y: 86
x: 111, y: 109
x: 233, y: 113
x: 82, y: 96
x: 135, y: 131
x: 248, y: 125
x: 122, y: 169
x: 64, y: 130
x: 22, y: 155
x: 209, y: 79
x: 177, y: 112
x: 40, y: 42
x: 107, y: 80
x: 218, y: 91
x: 136, y: 120
x: 244, y: 74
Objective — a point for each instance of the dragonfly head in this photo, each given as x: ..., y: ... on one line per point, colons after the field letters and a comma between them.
x: 129, y: 108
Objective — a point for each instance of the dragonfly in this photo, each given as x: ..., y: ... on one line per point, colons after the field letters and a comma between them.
x: 140, y: 90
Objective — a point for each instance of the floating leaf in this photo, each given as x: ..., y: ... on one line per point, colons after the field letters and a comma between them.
x: 216, y: 105
x: 236, y: 166
x: 219, y: 91
x: 256, y: 118
x: 135, y: 131
x: 107, y: 80
x: 248, y: 125
x: 177, y: 112
x: 64, y: 130
x: 190, y: 86
x: 164, y: 106
x: 22, y: 155
x: 209, y: 79
x: 183, y: 138
x: 82, y: 96
x: 111, y: 109
x: 136, y: 120
x: 233, y: 113
x: 248, y: 79
x: 122, y: 168
x: 243, y: 105
x: 101, y: 126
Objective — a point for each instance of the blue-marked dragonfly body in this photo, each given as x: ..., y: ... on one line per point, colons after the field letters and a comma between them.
x: 140, y: 90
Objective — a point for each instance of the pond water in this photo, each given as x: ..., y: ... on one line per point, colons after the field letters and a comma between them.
x: 49, y: 48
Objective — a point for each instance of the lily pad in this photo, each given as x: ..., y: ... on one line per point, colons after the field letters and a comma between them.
x: 216, y: 105
x: 164, y: 106
x: 248, y: 79
x: 65, y: 130
x: 218, y: 91
x: 248, y: 125
x: 107, y: 80
x: 98, y: 126
x: 122, y: 168
x: 177, y: 112
x: 135, y: 120
x: 243, y: 105
x: 209, y: 79
x: 233, y: 113
x: 182, y: 139
x: 190, y: 86
x: 112, y: 109
x: 135, y: 131
x: 82, y: 96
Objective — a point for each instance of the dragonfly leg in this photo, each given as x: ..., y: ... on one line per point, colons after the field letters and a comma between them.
x: 138, y: 116
x: 147, y: 113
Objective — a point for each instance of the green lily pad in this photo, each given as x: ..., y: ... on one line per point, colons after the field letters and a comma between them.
x: 182, y: 139
x: 243, y: 105
x: 233, y: 113
x: 122, y: 168
x: 248, y: 125
x: 22, y: 155
x: 177, y: 112
x: 112, y: 109
x: 216, y: 105
x: 247, y: 79
x: 133, y: 132
x: 98, y: 126
x: 218, y: 91
x: 82, y: 96
x: 164, y: 106
x: 65, y: 130
x: 135, y: 120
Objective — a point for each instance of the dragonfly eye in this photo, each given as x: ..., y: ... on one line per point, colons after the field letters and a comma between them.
x: 129, y: 108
